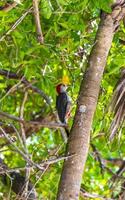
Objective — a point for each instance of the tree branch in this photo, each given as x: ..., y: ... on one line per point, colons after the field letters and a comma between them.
x: 12, y: 117
x: 84, y: 194
x: 41, y: 165
x: 28, y: 160
x: 8, y: 74
x: 29, y: 85
x: 17, y: 182
x: 37, y: 21
x: 18, y: 21
x: 9, y: 6
x: 55, y: 160
x: 33, y: 123
x: 27, y: 171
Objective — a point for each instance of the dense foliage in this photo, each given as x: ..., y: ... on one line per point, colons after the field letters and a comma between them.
x: 69, y: 29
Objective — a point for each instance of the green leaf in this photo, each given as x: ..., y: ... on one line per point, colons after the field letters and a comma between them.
x: 46, y: 9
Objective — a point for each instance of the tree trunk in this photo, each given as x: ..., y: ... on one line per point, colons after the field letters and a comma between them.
x: 79, y: 139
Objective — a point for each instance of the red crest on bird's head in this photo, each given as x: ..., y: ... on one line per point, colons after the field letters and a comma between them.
x: 58, y: 88
x: 61, y: 88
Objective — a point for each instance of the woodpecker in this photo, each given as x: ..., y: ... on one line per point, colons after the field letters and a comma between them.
x: 63, y: 104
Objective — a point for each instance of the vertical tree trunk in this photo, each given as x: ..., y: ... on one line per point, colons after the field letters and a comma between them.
x: 78, y: 143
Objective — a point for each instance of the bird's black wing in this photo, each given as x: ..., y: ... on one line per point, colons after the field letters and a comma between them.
x: 61, y: 106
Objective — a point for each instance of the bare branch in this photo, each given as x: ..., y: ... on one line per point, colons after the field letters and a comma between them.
x: 7, y: 143
x: 98, y: 157
x: 46, y: 124
x: 18, y: 21
x: 22, y: 117
x: 33, y: 123
x: 12, y: 117
x: 15, y: 177
x: 27, y: 171
x: 30, y: 162
x: 84, y: 194
x: 11, y: 89
x: 55, y: 160
x: 8, y: 74
x: 37, y: 90
x: 9, y: 6
x: 29, y: 85
x: 37, y: 22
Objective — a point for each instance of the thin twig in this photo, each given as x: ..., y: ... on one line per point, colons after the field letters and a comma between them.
x: 37, y: 21
x: 27, y: 171
x: 84, y: 194
x: 59, y: 5
x: 11, y: 89
x: 33, y: 123
x: 55, y: 160
x: 8, y: 74
x: 12, y: 117
x: 30, y: 162
x: 4, y: 171
x: 7, y: 143
x: 29, y: 85
x: 18, y: 21
x: 8, y: 7
x: 98, y: 157
x: 18, y: 134
x: 47, y: 165
x: 42, y: 173
x: 37, y: 90
x: 46, y: 124
x: 22, y: 117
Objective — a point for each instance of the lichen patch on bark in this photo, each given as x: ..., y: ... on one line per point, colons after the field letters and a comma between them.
x: 82, y: 108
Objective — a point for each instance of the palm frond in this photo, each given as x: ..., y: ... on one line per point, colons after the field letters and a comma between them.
x: 118, y: 106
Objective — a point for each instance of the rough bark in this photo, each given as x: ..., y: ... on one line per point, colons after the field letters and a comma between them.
x: 79, y: 139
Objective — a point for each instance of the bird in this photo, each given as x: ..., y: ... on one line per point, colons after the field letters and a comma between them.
x: 63, y: 104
